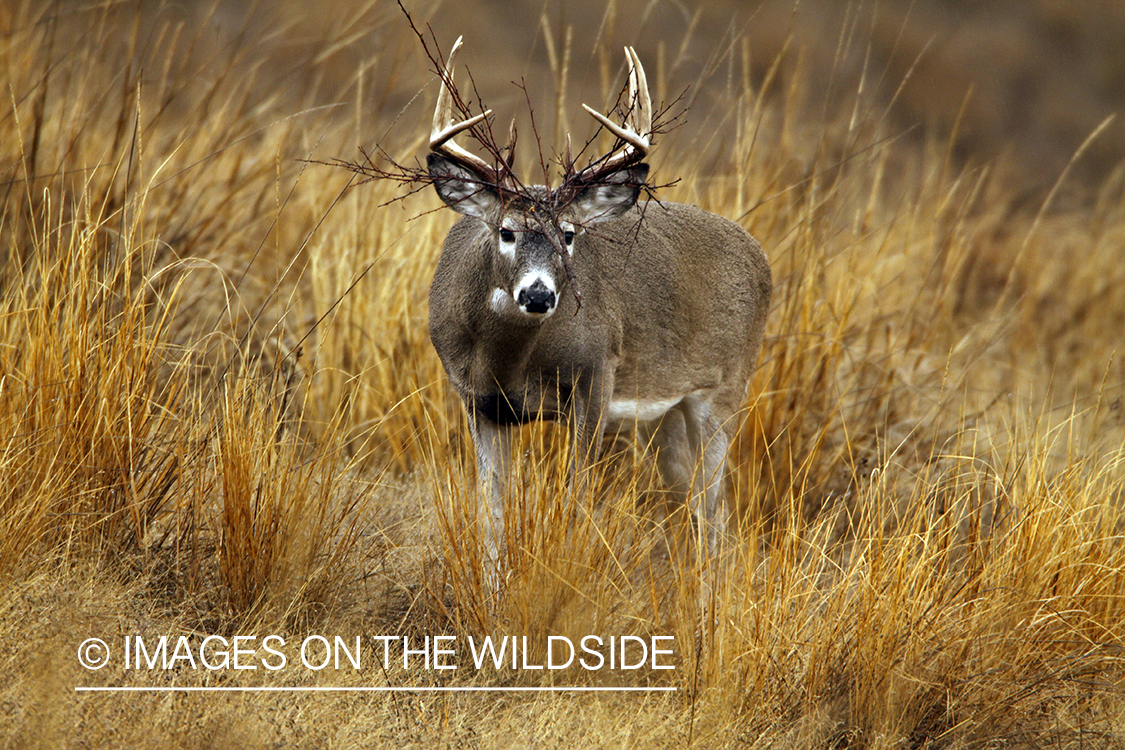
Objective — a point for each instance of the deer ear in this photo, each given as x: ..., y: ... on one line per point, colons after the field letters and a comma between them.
x: 611, y: 197
x: 462, y: 190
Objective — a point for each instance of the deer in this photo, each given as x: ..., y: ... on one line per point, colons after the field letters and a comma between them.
x: 582, y: 303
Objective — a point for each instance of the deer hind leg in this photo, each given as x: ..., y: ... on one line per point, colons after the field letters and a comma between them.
x: 665, y: 439
x: 708, y: 442
x: 493, y: 444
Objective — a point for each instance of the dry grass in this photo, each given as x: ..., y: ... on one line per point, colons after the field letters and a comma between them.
x: 221, y: 415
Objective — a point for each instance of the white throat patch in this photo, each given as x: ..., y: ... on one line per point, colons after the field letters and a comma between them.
x: 501, y: 302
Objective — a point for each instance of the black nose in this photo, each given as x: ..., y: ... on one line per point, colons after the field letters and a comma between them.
x: 536, y: 298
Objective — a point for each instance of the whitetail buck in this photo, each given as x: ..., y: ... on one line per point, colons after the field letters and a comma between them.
x: 577, y: 302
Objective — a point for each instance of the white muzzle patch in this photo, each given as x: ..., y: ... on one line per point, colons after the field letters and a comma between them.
x: 536, y: 294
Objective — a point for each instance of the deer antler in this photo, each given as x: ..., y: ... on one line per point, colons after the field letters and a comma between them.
x: 635, y: 131
x: 445, y: 129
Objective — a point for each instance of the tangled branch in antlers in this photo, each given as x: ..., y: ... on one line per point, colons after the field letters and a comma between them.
x: 494, y: 171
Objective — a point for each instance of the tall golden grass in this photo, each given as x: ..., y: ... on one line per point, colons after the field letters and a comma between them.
x: 221, y: 415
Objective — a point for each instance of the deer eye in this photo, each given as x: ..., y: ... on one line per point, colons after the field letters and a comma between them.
x: 568, y: 237
x: 507, y: 235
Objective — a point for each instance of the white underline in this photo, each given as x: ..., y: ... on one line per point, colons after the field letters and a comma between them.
x: 381, y: 689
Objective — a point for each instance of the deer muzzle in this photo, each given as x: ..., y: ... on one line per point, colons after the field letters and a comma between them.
x: 537, y: 298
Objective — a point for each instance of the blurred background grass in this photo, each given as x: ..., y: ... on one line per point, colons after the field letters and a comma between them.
x: 1029, y: 80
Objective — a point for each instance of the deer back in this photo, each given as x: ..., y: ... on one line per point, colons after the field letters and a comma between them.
x: 688, y: 302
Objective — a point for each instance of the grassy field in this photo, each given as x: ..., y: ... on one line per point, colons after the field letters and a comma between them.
x: 221, y: 415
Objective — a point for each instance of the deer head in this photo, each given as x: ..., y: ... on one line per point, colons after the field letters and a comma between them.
x: 533, y: 232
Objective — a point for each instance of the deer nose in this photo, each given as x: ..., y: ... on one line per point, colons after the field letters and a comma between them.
x: 537, y: 298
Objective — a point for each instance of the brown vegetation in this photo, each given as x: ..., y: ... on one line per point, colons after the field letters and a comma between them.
x: 221, y: 413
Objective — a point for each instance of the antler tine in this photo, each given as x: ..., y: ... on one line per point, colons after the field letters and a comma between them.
x: 640, y: 100
x: 510, y: 157
x: 444, y: 129
x: 443, y: 118
x: 634, y: 132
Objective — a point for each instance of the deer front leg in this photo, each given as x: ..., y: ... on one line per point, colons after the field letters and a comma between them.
x: 493, y: 445
x: 588, y: 412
